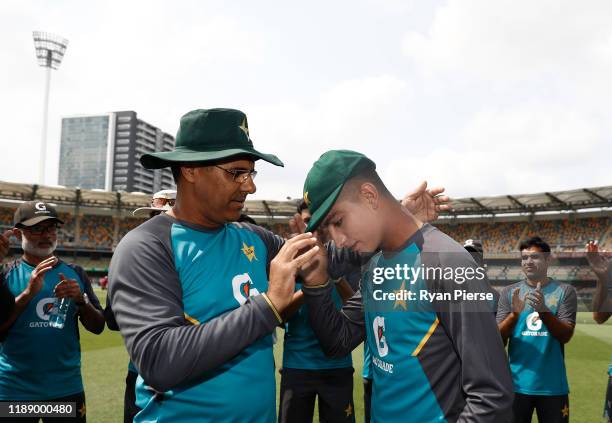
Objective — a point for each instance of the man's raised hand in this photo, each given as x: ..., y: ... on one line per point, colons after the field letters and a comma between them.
x: 38, y: 276
x: 68, y: 288
x: 426, y: 204
x: 297, y: 225
x: 599, y: 263
x: 297, y: 252
x: 518, y: 304
x: 536, y: 299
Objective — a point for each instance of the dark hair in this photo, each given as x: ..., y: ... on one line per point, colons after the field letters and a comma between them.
x: 246, y: 218
x: 176, y: 169
x: 534, y: 241
x: 369, y: 174
x: 176, y: 173
x: 302, y: 206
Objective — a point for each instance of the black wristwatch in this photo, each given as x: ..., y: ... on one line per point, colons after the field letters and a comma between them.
x: 84, y: 302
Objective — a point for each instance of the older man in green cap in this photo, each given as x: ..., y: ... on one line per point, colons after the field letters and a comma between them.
x: 197, y: 298
x: 434, y: 359
x: 197, y: 295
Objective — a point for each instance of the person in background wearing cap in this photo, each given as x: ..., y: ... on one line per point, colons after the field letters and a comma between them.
x: 161, y: 202
x: 602, y: 304
x: 537, y: 316
x: 196, y: 295
x: 39, y: 362
x: 474, y: 247
x: 438, y: 364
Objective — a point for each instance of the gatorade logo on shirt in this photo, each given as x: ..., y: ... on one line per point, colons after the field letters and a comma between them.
x: 242, y: 287
x: 378, y: 326
x: 379, y: 330
x: 534, y: 324
x: 43, y: 310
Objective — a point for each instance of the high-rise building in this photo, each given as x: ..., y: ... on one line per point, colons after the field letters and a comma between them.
x: 103, y: 152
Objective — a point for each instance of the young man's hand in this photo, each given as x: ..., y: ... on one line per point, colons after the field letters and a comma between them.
x: 314, y: 273
x: 518, y: 304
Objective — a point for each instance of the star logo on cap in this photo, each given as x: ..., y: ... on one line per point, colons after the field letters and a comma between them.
x: 244, y: 127
x: 306, y: 200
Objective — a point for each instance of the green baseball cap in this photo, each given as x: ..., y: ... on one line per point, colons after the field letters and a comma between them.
x: 209, y: 135
x: 326, y: 179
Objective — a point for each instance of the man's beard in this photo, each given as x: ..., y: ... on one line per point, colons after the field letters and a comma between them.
x: 29, y: 248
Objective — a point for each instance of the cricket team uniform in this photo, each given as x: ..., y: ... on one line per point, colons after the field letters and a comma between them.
x: 308, y: 373
x: 39, y: 362
x: 537, y: 360
x: 130, y: 409
x: 367, y: 382
x: 187, y: 300
x: 439, y: 361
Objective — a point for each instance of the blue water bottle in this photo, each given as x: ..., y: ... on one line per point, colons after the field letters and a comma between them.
x: 59, y: 312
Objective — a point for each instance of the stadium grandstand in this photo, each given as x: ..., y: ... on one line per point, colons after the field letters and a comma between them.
x: 95, y: 221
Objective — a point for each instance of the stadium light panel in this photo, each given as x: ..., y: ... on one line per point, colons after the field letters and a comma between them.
x: 50, y: 49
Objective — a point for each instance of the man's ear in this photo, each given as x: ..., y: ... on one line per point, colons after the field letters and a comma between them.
x: 369, y: 192
x: 17, y: 233
x: 188, y: 173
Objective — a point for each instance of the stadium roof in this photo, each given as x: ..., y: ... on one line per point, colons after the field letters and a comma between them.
x: 571, y: 200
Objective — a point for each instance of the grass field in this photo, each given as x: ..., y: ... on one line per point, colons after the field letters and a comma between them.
x: 587, y: 358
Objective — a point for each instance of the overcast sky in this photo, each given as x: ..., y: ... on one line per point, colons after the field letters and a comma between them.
x: 484, y: 97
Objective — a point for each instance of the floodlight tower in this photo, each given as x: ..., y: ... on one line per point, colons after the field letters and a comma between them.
x: 50, y: 51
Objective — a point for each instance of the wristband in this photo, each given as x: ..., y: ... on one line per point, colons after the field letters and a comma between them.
x: 324, y: 285
x: 280, y: 320
x: 84, y: 302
